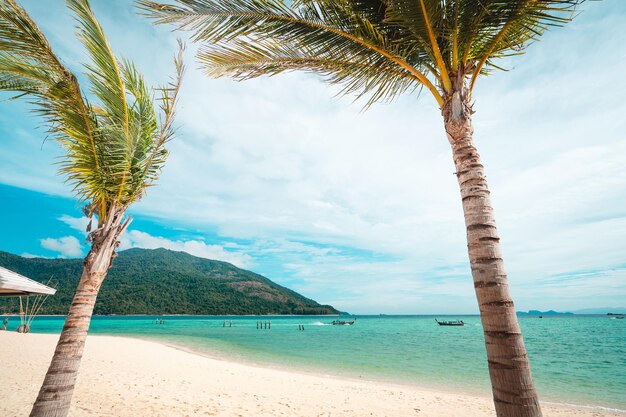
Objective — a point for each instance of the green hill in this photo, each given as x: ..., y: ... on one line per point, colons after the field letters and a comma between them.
x: 161, y: 281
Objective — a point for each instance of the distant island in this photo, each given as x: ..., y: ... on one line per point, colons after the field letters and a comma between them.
x: 602, y: 310
x: 160, y: 282
x: 611, y: 311
x: 543, y: 313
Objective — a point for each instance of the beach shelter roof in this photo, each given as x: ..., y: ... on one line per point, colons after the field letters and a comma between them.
x: 13, y: 284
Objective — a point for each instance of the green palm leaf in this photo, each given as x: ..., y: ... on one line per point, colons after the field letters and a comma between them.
x: 427, y: 42
x: 28, y: 66
x: 315, y: 34
x: 114, y: 149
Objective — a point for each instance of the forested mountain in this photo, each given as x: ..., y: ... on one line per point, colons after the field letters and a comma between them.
x: 160, y: 281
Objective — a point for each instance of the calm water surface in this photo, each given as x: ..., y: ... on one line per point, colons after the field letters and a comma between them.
x: 575, y: 359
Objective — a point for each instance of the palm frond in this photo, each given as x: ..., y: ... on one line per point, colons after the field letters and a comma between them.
x: 427, y: 41
x: 318, y: 30
x: 113, y: 150
x: 425, y: 26
x: 103, y: 71
x: 509, y: 27
x: 29, y: 67
x: 128, y: 119
x: 154, y: 158
x: 242, y: 61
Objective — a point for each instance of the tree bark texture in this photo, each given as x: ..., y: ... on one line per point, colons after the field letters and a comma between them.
x: 513, y: 389
x: 55, y: 395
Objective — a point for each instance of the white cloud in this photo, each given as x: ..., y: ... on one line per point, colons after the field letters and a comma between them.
x: 67, y: 246
x: 76, y: 223
x: 138, y: 239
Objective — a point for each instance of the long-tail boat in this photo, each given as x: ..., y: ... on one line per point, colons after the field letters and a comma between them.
x: 450, y: 322
x: 343, y: 322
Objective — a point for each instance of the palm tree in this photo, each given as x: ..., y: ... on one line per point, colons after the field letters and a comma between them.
x: 380, y: 49
x: 113, y: 151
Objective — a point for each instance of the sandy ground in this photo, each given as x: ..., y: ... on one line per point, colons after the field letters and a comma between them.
x: 126, y: 377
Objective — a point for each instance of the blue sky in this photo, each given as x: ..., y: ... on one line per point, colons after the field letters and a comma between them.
x: 360, y: 209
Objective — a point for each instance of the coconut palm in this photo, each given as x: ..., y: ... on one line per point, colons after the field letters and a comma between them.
x: 114, y: 149
x: 379, y: 49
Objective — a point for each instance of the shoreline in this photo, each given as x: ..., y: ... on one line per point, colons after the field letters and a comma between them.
x: 214, y: 354
x: 347, y: 376
x: 131, y: 376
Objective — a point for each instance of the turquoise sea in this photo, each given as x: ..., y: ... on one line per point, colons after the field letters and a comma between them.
x: 575, y: 359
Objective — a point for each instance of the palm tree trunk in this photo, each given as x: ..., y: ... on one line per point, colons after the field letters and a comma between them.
x: 55, y: 395
x: 513, y: 389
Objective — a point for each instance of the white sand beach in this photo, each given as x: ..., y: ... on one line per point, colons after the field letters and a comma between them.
x: 126, y: 377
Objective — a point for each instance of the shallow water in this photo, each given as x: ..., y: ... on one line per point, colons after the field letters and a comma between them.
x: 575, y: 359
